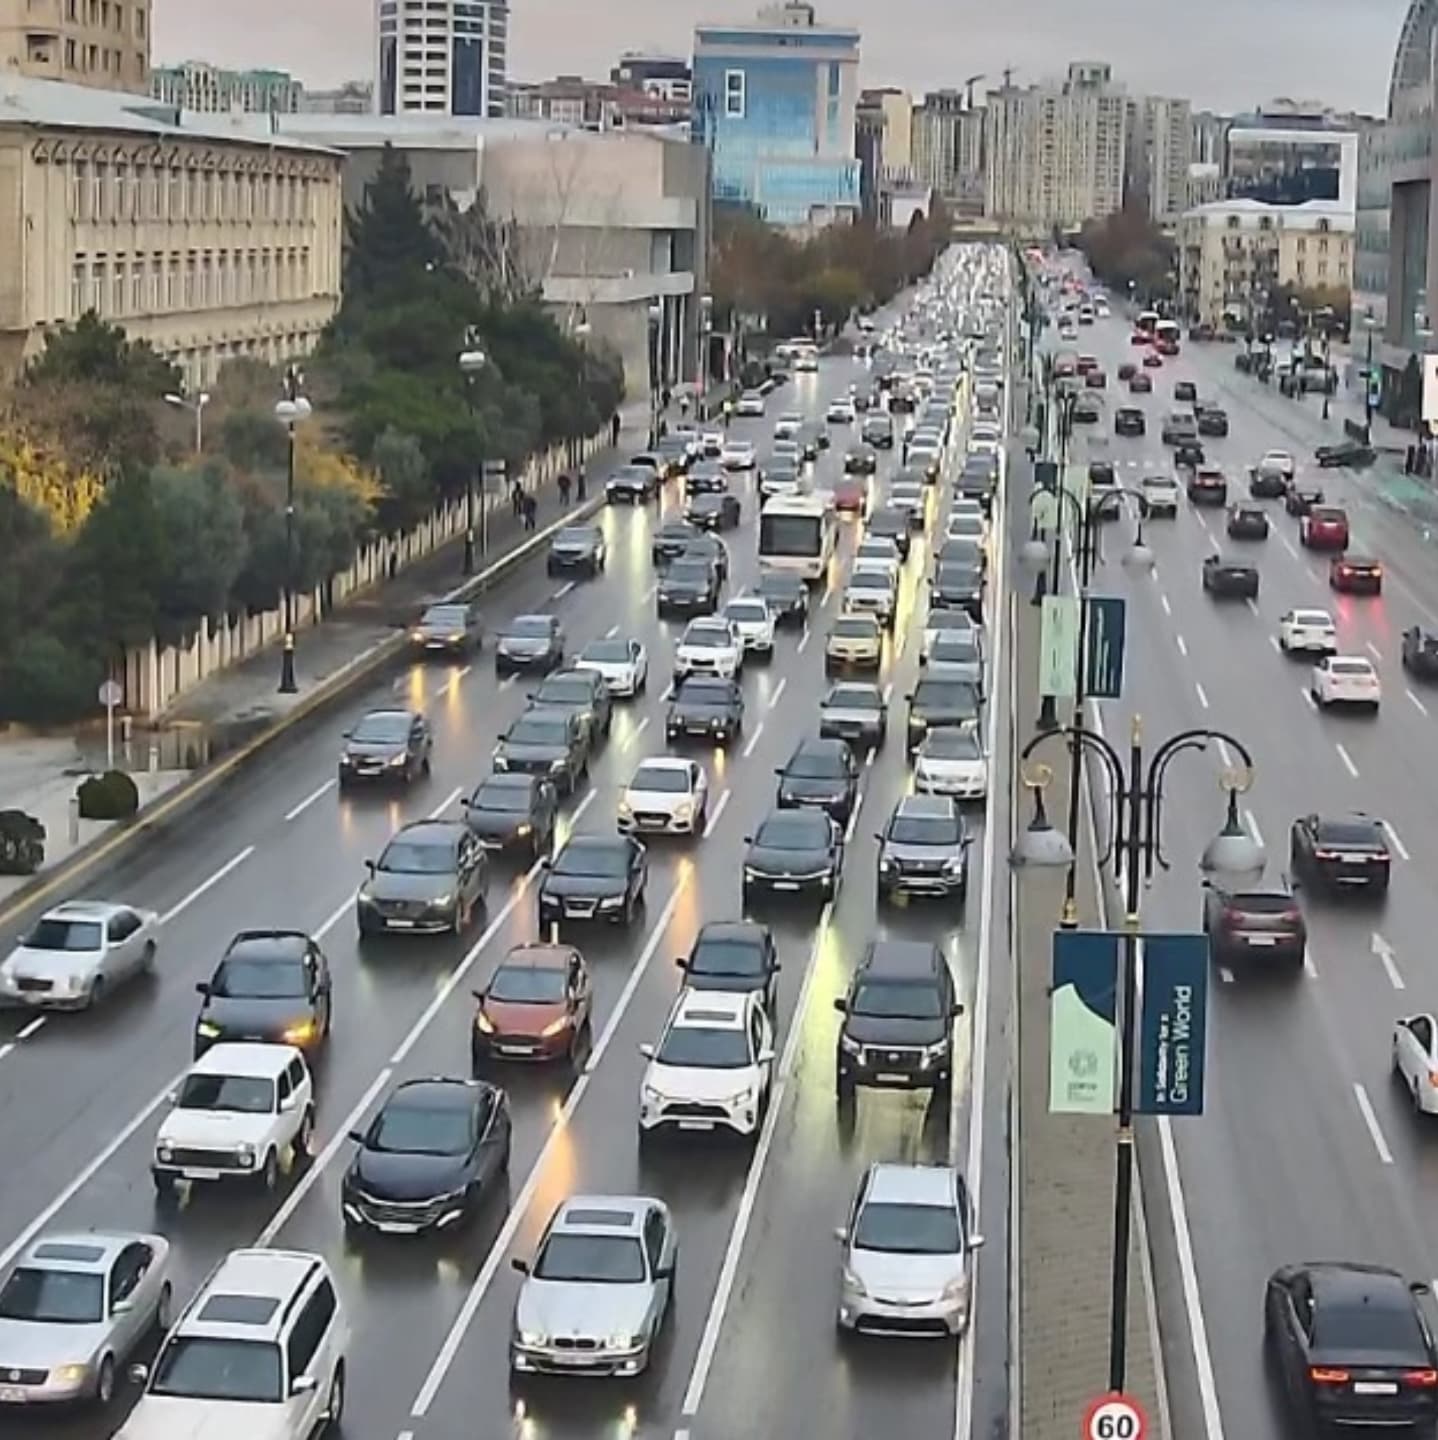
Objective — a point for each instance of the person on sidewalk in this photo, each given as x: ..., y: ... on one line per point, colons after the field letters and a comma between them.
x: 531, y: 509
x: 516, y: 498
x: 581, y: 484
x: 564, y: 487
x: 614, y: 430
x: 683, y: 407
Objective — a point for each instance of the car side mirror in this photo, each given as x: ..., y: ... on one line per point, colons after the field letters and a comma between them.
x: 748, y: 839
x: 370, y: 866
x: 202, y: 987
x: 1419, y: 1287
x: 976, y: 1242
x: 841, y: 1005
x: 302, y: 1384
x: 647, y: 1051
x: 357, y: 1136
x: 956, y: 1009
x: 522, y: 1266
x: 765, y: 1057
x: 344, y: 735
x: 138, y: 1374
x: 122, y: 1307
x: 664, y: 1272
x: 546, y: 864
x: 681, y: 962
x: 841, y: 1233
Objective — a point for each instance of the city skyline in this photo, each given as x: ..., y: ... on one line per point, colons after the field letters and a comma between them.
x: 1343, y: 57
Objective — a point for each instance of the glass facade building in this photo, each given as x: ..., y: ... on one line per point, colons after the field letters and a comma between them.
x: 442, y: 57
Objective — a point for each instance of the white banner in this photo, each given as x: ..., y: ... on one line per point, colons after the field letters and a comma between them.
x: 1430, y: 389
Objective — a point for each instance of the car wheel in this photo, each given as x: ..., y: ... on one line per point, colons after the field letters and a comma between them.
x: 164, y: 1187
x: 424, y: 765
x: 270, y: 1172
x: 700, y: 822
x: 304, y: 1142
x: 164, y: 1308
x: 105, y: 1381
x: 96, y: 993
x: 335, y: 1405
x: 843, y: 1086
x: 147, y: 959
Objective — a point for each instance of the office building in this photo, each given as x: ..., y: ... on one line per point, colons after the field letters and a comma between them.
x: 594, y: 105
x: 206, y: 235
x: 194, y: 85
x: 444, y: 57
x: 936, y: 123
x: 353, y: 97
x: 775, y: 102
x: 101, y: 43
x: 1160, y: 152
x: 662, y: 76
x: 883, y: 130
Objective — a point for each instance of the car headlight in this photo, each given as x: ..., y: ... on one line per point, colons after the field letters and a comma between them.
x: 555, y: 766
x: 611, y: 902
x: 849, y: 1046
x: 954, y: 866
x: 442, y: 902
x: 956, y: 1289
x: 245, y: 1154
x: 164, y: 1154
x: 501, y: 760
x: 207, y: 1029
x: 852, y: 1282
x: 395, y: 761
x: 748, y: 1095
x: 365, y: 897
x: 533, y: 1337
x: 626, y: 810
x: 300, y: 1033
x: 483, y: 1023
x: 622, y: 1340
x: 522, y: 830
x: 887, y: 865
x: 70, y: 1374
x: 750, y: 873
x: 651, y: 1096
x: 684, y: 810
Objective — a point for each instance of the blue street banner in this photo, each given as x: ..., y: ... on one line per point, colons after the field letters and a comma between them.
x: 1083, y: 1022
x: 1103, y: 661
x: 1173, y: 1025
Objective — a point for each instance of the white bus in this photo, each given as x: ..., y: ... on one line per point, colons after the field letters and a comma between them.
x: 797, y: 533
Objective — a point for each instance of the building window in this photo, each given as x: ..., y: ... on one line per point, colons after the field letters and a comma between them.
x: 734, y: 94
x: 79, y: 189
x: 117, y: 285
x: 78, y: 271
x: 121, y: 183
x: 97, y: 298
x: 833, y: 77
x: 189, y: 292
x: 137, y: 285
x: 97, y: 191
x: 177, y: 194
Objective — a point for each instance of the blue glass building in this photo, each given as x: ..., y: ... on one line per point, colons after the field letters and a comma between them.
x: 775, y: 102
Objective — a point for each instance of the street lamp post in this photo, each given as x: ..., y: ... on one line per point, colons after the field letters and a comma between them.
x: 289, y: 411
x: 706, y: 332
x: 656, y: 319
x: 1136, y: 827
x: 471, y: 361
x: 196, y: 406
x: 1369, y: 325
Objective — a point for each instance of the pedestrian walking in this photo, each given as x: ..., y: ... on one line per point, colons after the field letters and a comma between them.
x: 614, y: 429
x: 684, y: 407
x: 563, y: 487
x: 531, y: 508
x: 516, y: 499
x: 581, y: 485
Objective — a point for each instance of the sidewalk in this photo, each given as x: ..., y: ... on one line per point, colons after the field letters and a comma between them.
x: 39, y: 774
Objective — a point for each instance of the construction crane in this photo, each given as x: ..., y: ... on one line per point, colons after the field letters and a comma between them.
x: 969, y: 88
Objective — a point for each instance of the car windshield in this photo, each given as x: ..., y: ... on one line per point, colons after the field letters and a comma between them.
x: 955, y: 646
x: 848, y: 628
x: 566, y: 690
x: 1377, y: 1327
x: 1319, y: 618
x: 855, y: 697
x: 53, y: 1297
x: 538, y: 730
x: 527, y: 985
x: 957, y: 575
x: 884, y: 999
x: 1350, y: 667
x: 942, y: 695
x: 608, y: 652
x: 591, y: 1260
x: 530, y: 627
x: 382, y: 727
x: 952, y: 744
x: 239, y: 1094
x: 195, y: 1367
x: 416, y: 857
x: 709, y: 637
x: 451, y: 616
x: 575, y: 535
x: 925, y: 830
x: 814, y: 765
x: 501, y: 799
x: 402, y: 1129
x: 667, y: 779
x: 909, y: 1229
x: 261, y: 978
x: 888, y: 522
x: 689, y: 572
x: 594, y: 861
x: 704, y: 693
x: 869, y: 580
x: 747, y: 611
x: 704, y: 1047
x: 794, y: 832
x: 72, y: 935
x: 727, y: 957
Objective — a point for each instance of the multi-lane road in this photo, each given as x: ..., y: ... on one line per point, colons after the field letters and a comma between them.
x: 1307, y: 1150
x: 753, y: 1350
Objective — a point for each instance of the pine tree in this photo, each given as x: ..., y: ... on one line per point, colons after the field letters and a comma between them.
x: 390, y: 243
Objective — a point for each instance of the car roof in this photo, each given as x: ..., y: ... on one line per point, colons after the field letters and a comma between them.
x: 927, y: 807
x: 404, y: 710
x: 435, y: 1093
x: 509, y: 780
x: 271, y: 944
x: 245, y: 1058
x: 748, y: 932
x: 825, y: 745
x: 236, y: 1292
x: 536, y: 955
x: 623, y: 1214
x: 712, y: 1009
x: 664, y: 762
x: 432, y: 832
x: 85, y: 910
x: 895, y: 1184
x: 597, y: 842
x: 913, y: 958
x: 1343, y: 1281
x: 83, y: 1252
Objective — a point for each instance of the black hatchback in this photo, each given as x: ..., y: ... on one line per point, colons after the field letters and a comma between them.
x: 386, y: 745
x: 822, y: 774
x: 270, y: 987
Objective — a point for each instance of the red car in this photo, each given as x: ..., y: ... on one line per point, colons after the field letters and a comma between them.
x: 536, y: 1007
x: 1152, y: 360
x: 1348, y: 574
x: 851, y: 493
x: 1139, y: 338
x: 1324, y: 528
x: 1087, y: 363
x: 1166, y: 347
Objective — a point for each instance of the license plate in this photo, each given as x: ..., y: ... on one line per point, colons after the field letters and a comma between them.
x: 388, y: 1227
x: 515, y: 1049
x: 695, y: 1125
x: 1375, y: 1387
x: 890, y: 1078
x: 190, y: 1174
x: 1354, y: 860
x: 400, y: 924
x: 434, y: 644
x: 13, y: 1395
x: 1262, y: 939
x: 697, y: 729
x: 786, y: 884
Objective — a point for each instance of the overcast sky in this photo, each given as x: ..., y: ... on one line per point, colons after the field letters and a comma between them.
x: 1221, y: 54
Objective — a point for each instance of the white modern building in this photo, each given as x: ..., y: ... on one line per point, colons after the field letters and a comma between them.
x: 442, y: 57
x: 1160, y: 153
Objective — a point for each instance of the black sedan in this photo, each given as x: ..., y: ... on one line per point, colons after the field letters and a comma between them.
x: 1353, y: 454
x: 959, y: 585
x: 1420, y: 652
x: 1247, y: 522
x: 1188, y: 455
x: 1298, y: 500
x: 940, y: 702
x: 576, y: 549
x: 548, y: 742
x: 446, y: 629
x: 889, y: 522
x: 271, y: 986
x: 707, y: 546
x: 386, y: 745
x: 1355, y: 575
x: 861, y: 460
x: 633, y: 484
x: 787, y: 595
x: 1185, y: 390
x: 1213, y: 420
x: 593, y: 877
x: 705, y: 707
x: 822, y: 774
x: 513, y: 814
x: 713, y: 512
x: 674, y: 455
x: 1207, y: 487
x: 430, y: 877
x: 794, y: 852
x: 708, y: 477
x: 671, y: 539
x: 1267, y: 482
x: 1224, y: 575
x: 1347, y: 853
x: 736, y: 956
x: 1351, y: 1347
x: 1129, y: 420
x: 529, y: 642
x: 429, y: 1159
x: 690, y: 586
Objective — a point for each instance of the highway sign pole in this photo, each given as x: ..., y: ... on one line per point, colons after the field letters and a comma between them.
x: 110, y: 695
x: 1115, y: 1417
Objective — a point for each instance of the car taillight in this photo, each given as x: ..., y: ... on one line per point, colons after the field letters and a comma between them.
x: 1325, y: 855
x: 1345, y: 570
x: 1421, y: 1379
x: 1292, y: 917
x: 1381, y: 857
x: 1324, y: 1375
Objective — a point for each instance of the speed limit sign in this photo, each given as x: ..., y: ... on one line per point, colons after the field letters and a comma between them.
x: 1115, y: 1417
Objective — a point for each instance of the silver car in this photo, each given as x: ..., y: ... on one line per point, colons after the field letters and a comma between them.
x: 77, y: 953
x: 74, y: 1309
x: 908, y: 1252
x: 597, y: 1294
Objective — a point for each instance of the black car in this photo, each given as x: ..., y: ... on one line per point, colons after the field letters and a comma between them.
x: 1351, y: 1347
x: 550, y: 743
x: 977, y: 481
x: 1207, y: 487
x: 736, y: 956
x: 706, y: 706
x: 1298, y: 500
x: 272, y: 987
x: 1188, y: 455
x: 958, y: 585
x: 706, y: 546
x: 431, y: 877
x: 1086, y: 410
x: 1129, y: 420
x: 582, y: 693
x: 708, y: 477
x: 1213, y: 420
x: 1185, y: 390
x: 854, y: 712
x: 513, y: 813
x: 447, y: 629
x: 529, y: 642
x: 794, y: 852
x: 690, y: 586
x: 861, y: 460
x: 673, y: 451
x: 576, y: 549
x: 1355, y: 575
x: 1267, y: 483
x: 787, y: 594
x: 940, y: 702
x: 878, y: 431
x: 671, y: 539
x: 820, y: 773
x: 898, y: 1021
x: 1225, y: 575
x: 1139, y: 383
x: 714, y: 512
x: 593, y: 877
x: 635, y: 484
x: 1260, y: 926
x: 429, y: 1159
x: 1095, y: 380
x: 1420, y: 652
x: 386, y: 745
x: 1247, y: 522
x: 1351, y: 453
x: 924, y: 849
x: 1348, y: 853
x: 890, y: 522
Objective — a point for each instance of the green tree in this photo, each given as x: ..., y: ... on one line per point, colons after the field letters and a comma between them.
x: 204, y: 540
x: 30, y: 573
x: 387, y: 238
x: 94, y: 351
x: 46, y: 681
x: 404, y: 473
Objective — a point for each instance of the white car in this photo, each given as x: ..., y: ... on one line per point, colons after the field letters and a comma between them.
x: 751, y: 616
x: 709, y: 646
x: 1308, y: 631
x: 1345, y: 680
x: 711, y: 1068
x: 712, y: 438
x: 880, y: 553
x: 841, y: 411
x: 780, y: 482
x: 77, y: 953
x: 623, y: 665
x: 751, y: 404
x: 1415, y: 1059
x: 950, y: 761
x: 667, y: 796
x: 1277, y: 460
x: 737, y: 455
x: 939, y: 619
x: 1160, y: 496
x: 855, y: 640
x: 908, y: 496
x: 788, y: 425
x: 872, y: 591
x: 243, y: 1112
x: 688, y: 432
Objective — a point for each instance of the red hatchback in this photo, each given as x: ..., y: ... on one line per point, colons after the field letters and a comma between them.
x: 1325, y: 527
x: 851, y: 494
x: 535, y: 1007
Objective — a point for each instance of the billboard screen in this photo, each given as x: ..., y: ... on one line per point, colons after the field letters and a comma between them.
x: 1289, y: 167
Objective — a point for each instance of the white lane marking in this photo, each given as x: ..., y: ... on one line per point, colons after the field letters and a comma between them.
x: 1310, y: 965
x: 36, y: 1025
x: 564, y: 590
x: 718, y: 810
x: 1163, y: 600
x: 1221, y: 745
x: 1182, y: 644
x: 5, y: 1050
x: 508, y: 681
x: 1397, y: 844
x: 519, y: 1208
x: 854, y: 816
x: 297, y: 810
x: 1201, y: 693
x: 728, y: 1271
x: 446, y: 802
x: 1225, y: 974
x: 610, y: 633
x: 778, y: 692
x: 204, y: 886
x: 643, y: 724
x: 1347, y: 759
x: 1251, y: 820
x: 1384, y: 951
x: 753, y: 739
x: 577, y: 813
x: 1374, y: 651
x: 1273, y: 640
x: 1288, y: 545
x: 1251, y: 603
x: 1421, y: 707
x: 1365, y: 1106
x: 338, y: 914
x: 1308, y: 696
x: 453, y: 686
x: 804, y: 640
x: 651, y: 592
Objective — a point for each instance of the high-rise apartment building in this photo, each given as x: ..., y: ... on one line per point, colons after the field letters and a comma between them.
x: 101, y: 43
x: 1054, y: 154
x: 663, y: 76
x: 442, y: 57
x: 1160, y: 151
x: 936, y: 125
x: 194, y: 85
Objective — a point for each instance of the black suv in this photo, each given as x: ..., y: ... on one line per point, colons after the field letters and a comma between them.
x: 271, y: 987
x: 513, y: 813
x: 549, y: 743
x: 898, y: 1020
x: 1349, y: 853
x: 635, y: 484
x: 690, y: 586
x: 1129, y: 420
x: 386, y: 745
x: 578, y: 549
x: 820, y: 773
x: 706, y: 706
x: 1212, y: 420
x: 924, y: 849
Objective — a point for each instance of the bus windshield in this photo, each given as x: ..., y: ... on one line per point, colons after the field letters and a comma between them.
x: 790, y: 534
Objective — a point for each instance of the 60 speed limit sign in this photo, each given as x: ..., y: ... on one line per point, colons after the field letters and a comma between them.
x: 1115, y: 1417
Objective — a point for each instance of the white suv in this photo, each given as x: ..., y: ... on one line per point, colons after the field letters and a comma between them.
x: 259, y: 1354
x: 244, y: 1112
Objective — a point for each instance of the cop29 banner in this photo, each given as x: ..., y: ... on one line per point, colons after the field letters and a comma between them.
x: 1173, y: 1025
x: 1083, y: 1014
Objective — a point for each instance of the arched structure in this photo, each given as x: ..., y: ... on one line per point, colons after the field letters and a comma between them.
x: 1413, y: 59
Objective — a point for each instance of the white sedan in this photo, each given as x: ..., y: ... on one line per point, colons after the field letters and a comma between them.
x: 1277, y: 460
x: 1345, y: 680
x: 737, y: 455
x: 950, y: 761
x: 1311, y: 631
x: 712, y: 438
x: 1415, y: 1059
x: 871, y: 591
x: 709, y: 646
x: 77, y: 953
x: 667, y: 796
x: 751, y: 404
x: 623, y: 665
x: 751, y: 616
x: 841, y: 411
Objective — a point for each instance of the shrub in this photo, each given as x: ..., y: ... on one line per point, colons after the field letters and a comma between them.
x: 111, y: 796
